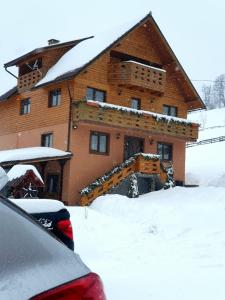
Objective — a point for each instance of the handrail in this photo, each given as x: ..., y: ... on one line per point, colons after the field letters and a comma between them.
x: 207, y: 141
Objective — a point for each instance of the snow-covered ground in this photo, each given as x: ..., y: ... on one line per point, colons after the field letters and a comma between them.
x: 205, y: 164
x: 164, y: 245
x: 168, y: 244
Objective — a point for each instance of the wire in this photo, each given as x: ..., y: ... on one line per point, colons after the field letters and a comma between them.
x: 207, y: 80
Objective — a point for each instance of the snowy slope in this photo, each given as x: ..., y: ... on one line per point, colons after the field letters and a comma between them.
x: 205, y: 164
x: 164, y: 245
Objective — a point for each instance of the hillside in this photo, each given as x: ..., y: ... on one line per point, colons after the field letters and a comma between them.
x: 205, y: 164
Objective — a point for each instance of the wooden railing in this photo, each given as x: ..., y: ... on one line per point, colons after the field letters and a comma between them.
x: 111, y: 115
x: 27, y: 81
x: 131, y: 73
x: 139, y: 163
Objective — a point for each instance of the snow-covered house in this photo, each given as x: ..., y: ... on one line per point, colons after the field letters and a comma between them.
x: 102, y: 99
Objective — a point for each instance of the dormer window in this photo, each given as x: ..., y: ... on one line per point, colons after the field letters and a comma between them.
x: 30, y: 66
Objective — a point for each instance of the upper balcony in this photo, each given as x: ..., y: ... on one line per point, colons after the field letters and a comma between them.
x: 28, y: 80
x: 131, y: 73
x: 124, y: 117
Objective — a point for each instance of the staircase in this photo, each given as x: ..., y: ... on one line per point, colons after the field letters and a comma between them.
x: 139, y: 163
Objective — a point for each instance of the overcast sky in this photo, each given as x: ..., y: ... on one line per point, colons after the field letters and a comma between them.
x: 195, y: 29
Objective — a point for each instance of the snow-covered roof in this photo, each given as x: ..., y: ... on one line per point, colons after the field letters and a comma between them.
x: 20, y: 170
x: 140, y: 112
x: 86, y: 51
x: 32, y: 153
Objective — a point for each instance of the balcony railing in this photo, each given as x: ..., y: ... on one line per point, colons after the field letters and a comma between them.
x: 130, y: 73
x: 28, y: 80
x: 124, y: 117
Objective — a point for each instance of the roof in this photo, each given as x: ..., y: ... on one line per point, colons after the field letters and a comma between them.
x: 31, y: 154
x: 89, y: 50
x: 44, y: 49
x: 9, y: 93
x: 18, y: 171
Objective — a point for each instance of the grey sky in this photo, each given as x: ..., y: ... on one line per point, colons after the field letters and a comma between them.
x: 194, y: 29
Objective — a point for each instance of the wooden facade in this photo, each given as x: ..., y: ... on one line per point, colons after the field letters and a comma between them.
x: 140, y: 65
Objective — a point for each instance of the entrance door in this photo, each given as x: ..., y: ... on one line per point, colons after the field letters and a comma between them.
x: 132, y: 145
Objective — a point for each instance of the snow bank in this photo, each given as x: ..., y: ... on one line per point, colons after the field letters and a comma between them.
x: 163, y: 245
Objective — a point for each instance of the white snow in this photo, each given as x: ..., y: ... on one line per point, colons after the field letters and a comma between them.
x: 139, y: 112
x: 30, y: 153
x: 20, y: 170
x: 146, y: 66
x: 84, y: 52
x: 38, y: 205
x: 204, y: 163
x: 3, y: 178
x: 164, y: 245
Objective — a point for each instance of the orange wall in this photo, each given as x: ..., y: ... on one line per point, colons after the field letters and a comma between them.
x: 85, y: 167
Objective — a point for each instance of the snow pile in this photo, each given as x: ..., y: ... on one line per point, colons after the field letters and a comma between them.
x: 204, y: 163
x: 20, y: 170
x: 38, y: 205
x: 23, y: 154
x: 163, y: 245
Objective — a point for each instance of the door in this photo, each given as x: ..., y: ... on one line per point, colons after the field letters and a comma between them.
x: 132, y: 145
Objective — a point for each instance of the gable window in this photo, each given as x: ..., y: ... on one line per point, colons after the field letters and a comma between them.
x: 99, y: 143
x: 136, y: 103
x: 47, y: 140
x: 25, y: 106
x: 95, y: 94
x: 165, y: 151
x: 170, y: 110
x: 54, y: 98
x: 30, y: 66
x: 52, y: 183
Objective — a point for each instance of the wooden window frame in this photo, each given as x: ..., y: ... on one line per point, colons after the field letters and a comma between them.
x: 171, y: 152
x: 99, y: 133
x: 169, y: 108
x: 25, y: 103
x: 94, y: 94
x: 50, y: 97
x: 44, y: 135
x: 138, y: 102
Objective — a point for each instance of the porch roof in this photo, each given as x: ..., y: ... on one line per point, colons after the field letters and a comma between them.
x: 31, y: 154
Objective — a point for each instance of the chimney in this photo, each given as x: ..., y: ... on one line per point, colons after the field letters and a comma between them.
x: 53, y: 42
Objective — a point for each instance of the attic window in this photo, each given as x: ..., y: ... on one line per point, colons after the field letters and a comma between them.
x: 30, y: 66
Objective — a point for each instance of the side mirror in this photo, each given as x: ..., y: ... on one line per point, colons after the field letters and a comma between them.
x: 3, y: 178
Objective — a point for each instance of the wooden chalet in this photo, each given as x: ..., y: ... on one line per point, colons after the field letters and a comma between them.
x: 106, y: 99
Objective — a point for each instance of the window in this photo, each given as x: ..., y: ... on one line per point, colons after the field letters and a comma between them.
x: 170, y: 110
x: 52, y: 183
x: 54, y: 98
x: 99, y: 143
x: 135, y: 103
x: 96, y: 95
x: 165, y: 151
x: 25, y: 106
x: 47, y: 140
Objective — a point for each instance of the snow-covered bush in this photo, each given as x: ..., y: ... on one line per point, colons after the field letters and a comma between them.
x: 133, y: 189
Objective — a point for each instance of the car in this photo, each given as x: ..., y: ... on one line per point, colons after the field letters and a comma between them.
x: 37, y: 266
x: 52, y: 214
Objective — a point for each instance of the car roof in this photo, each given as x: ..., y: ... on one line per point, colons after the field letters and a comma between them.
x: 31, y: 260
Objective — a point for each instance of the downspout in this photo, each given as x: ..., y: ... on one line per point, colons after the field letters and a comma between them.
x: 11, y: 73
x: 70, y: 117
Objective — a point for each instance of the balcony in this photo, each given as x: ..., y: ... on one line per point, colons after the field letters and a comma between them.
x: 28, y: 80
x: 124, y: 117
x: 131, y: 73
